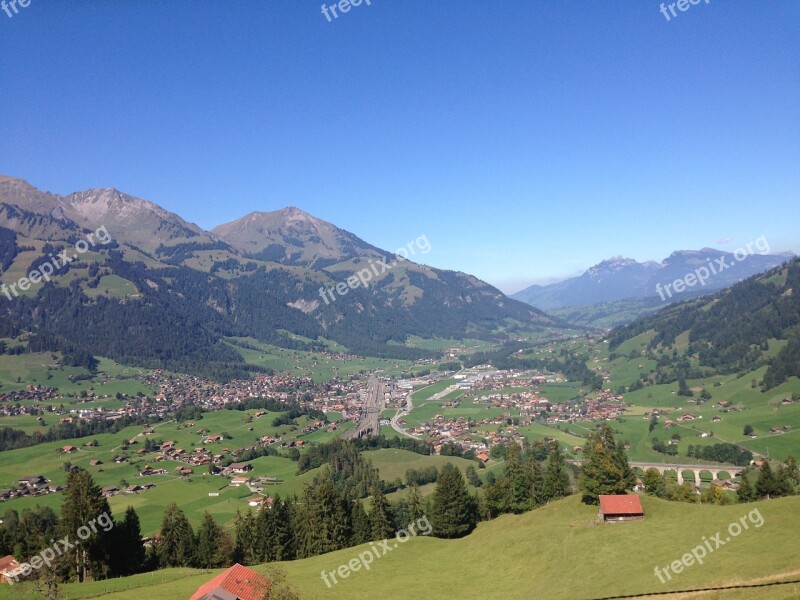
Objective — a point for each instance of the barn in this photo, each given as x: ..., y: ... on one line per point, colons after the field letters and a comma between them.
x: 620, y: 508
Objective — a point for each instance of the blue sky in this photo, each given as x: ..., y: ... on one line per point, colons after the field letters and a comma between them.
x: 527, y: 140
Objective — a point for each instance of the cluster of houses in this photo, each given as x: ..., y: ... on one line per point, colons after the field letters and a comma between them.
x: 30, y: 485
x: 112, y: 490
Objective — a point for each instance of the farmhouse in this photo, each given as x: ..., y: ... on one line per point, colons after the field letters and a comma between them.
x: 8, y: 564
x: 620, y: 508
x: 240, y: 468
x: 236, y: 583
x: 237, y: 481
x: 32, y: 481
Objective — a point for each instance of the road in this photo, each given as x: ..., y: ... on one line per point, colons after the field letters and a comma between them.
x: 402, y: 412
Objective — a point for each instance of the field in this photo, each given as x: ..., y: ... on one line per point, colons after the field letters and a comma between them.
x: 318, y: 366
x: 762, y: 410
x: 38, y: 368
x: 554, y: 552
x: 192, y: 492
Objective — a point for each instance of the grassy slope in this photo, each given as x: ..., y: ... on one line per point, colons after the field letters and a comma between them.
x: 191, y: 493
x: 554, y: 552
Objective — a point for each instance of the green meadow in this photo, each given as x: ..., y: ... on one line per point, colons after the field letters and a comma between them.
x: 558, y: 551
x: 192, y: 492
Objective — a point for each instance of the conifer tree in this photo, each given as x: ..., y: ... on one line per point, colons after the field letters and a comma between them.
x: 381, y: 525
x: 84, y: 504
x: 605, y: 467
x: 454, y: 511
x: 245, y: 551
x: 177, y: 545
x: 556, y: 480
x: 127, y: 551
x: 214, y: 545
x: 415, y: 507
x: 746, y: 492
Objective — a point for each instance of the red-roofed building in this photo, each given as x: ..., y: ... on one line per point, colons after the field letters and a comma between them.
x: 237, y: 583
x: 8, y: 564
x: 620, y: 508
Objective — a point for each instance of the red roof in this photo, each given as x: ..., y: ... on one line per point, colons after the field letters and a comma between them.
x: 245, y: 583
x: 8, y: 563
x: 621, y: 505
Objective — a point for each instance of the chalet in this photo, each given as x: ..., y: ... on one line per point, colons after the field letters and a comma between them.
x: 482, y: 456
x: 236, y: 583
x: 8, y: 564
x: 620, y: 508
x: 32, y: 481
x: 260, y: 502
x: 240, y: 468
x: 68, y: 449
x: 109, y: 490
x: 184, y: 472
x: 94, y: 463
x: 237, y: 481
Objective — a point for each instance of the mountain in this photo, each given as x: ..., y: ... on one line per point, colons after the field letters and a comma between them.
x: 617, y: 290
x: 749, y: 325
x: 612, y: 279
x: 165, y: 293
x: 133, y: 221
x: 292, y: 236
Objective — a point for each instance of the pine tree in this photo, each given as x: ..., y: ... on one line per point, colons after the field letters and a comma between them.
x: 245, y: 551
x: 415, y: 503
x: 281, y: 513
x: 767, y: 485
x: 265, y: 536
x: 746, y: 493
x: 455, y: 512
x: 323, y: 521
x: 84, y: 504
x: 214, y: 545
x: 556, y: 480
x: 792, y: 474
x: 362, y: 526
x: 605, y: 468
x: 127, y: 552
x: 177, y: 545
x: 381, y: 525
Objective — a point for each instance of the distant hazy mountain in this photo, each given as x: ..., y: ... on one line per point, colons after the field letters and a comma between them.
x: 624, y: 278
x: 749, y: 325
x: 167, y: 293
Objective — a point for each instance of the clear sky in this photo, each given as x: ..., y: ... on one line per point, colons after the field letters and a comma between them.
x: 527, y: 140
